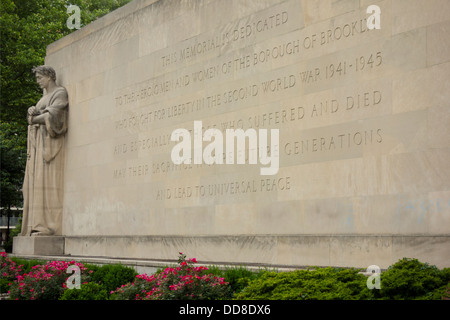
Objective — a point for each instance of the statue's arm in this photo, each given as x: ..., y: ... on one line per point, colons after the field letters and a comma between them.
x: 58, y: 103
x: 39, y: 119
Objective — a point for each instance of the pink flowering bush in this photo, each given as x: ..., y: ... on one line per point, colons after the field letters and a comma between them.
x: 184, y: 282
x: 44, y: 282
x: 9, y: 271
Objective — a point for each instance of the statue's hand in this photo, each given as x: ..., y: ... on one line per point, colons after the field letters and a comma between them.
x: 32, y: 111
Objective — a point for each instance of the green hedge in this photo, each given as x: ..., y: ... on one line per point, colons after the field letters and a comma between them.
x: 406, y: 279
x: 412, y: 279
x: 87, y: 291
x: 112, y: 276
x: 313, y: 284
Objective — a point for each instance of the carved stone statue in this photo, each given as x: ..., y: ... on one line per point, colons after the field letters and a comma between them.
x: 44, y: 173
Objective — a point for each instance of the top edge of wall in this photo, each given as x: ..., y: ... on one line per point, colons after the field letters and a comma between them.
x: 100, y: 23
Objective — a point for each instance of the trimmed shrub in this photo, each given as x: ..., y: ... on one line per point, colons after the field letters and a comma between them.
x: 87, y: 291
x: 315, y: 284
x: 412, y: 279
x: 112, y: 276
x: 240, y: 277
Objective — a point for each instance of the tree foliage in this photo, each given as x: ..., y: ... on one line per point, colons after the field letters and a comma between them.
x: 13, y: 157
x: 27, y: 27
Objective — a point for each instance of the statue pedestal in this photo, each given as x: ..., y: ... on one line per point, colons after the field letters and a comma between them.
x: 38, y: 245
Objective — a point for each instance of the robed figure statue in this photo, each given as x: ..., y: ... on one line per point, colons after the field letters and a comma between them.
x: 43, y: 182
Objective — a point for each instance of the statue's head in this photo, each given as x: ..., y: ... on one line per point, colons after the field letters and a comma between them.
x: 44, y: 74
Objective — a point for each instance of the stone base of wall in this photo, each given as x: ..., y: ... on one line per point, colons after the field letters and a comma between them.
x: 270, y: 250
x: 38, y: 245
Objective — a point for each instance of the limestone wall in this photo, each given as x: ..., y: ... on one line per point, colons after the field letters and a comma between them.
x: 363, y: 120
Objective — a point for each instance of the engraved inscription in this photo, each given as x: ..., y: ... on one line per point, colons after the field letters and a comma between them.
x: 193, y: 90
x: 226, y: 188
x: 217, y: 42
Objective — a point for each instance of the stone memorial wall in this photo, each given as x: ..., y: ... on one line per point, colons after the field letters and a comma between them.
x: 360, y: 164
